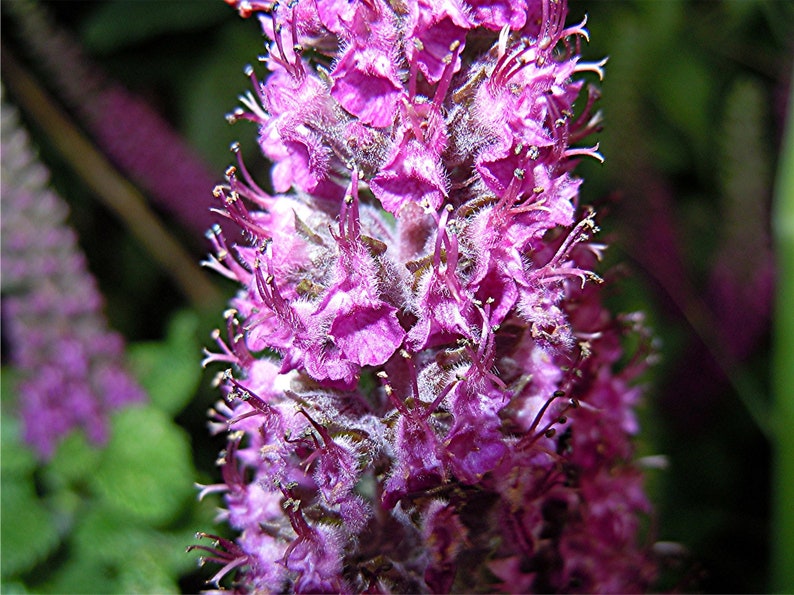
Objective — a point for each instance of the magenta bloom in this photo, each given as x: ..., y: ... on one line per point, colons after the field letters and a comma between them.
x: 424, y: 393
x: 71, y: 369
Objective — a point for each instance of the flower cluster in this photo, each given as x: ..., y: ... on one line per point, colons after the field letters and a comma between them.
x: 423, y: 390
x: 71, y: 364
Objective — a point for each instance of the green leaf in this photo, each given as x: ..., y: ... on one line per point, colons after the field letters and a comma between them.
x: 82, y: 573
x: 146, y: 469
x: 145, y: 559
x: 114, y: 25
x: 109, y: 535
x: 27, y: 533
x: 783, y: 367
x: 18, y: 459
x: 170, y: 371
x: 14, y: 588
x: 145, y: 573
x: 74, y: 458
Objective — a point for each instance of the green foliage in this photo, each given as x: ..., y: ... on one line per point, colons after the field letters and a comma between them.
x: 114, y: 519
x: 28, y: 529
x: 167, y: 370
x: 783, y: 368
x: 119, y: 23
x: 17, y: 459
x: 145, y: 469
x: 73, y: 462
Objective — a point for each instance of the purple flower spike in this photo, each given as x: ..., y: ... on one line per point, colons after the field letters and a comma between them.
x: 425, y: 392
x: 71, y: 368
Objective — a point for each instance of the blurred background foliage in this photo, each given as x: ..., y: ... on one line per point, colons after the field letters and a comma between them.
x: 694, y: 101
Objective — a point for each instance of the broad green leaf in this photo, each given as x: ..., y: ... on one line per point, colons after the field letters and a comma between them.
x: 27, y: 531
x: 17, y: 458
x: 170, y: 371
x: 783, y: 366
x: 109, y: 535
x: 146, y: 469
x: 147, y: 560
x: 81, y: 573
x: 74, y: 459
x: 144, y: 573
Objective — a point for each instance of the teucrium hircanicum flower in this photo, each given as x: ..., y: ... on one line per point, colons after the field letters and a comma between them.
x: 423, y: 391
x: 71, y: 365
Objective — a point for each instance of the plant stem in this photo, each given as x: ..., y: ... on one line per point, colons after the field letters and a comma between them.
x: 783, y: 371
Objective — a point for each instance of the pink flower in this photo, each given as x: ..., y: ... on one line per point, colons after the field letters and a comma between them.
x: 422, y: 374
x: 71, y: 366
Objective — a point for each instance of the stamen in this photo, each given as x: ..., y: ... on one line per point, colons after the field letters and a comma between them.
x: 597, y: 67
x: 224, y: 263
x: 577, y: 30
x: 585, y: 151
x: 449, y: 69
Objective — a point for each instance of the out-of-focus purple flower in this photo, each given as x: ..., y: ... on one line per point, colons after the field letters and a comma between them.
x: 424, y: 392
x: 127, y: 128
x: 70, y: 363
